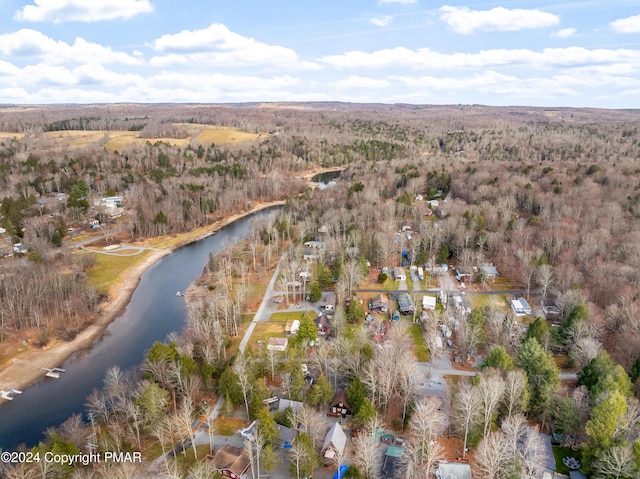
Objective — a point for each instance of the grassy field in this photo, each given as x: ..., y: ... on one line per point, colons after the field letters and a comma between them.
x: 107, y: 269
x: 285, y: 316
x: 227, y: 426
x: 264, y: 331
x: 7, y: 135
x: 481, y: 300
x: 419, y: 345
x: 117, y: 140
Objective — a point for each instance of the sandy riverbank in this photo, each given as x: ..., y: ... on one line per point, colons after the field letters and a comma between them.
x: 27, y: 367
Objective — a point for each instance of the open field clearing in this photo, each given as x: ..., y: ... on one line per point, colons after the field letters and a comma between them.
x: 107, y: 269
x: 7, y: 135
x: 117, y: 140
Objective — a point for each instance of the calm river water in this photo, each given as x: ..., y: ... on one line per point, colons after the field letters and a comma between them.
x: 153, y: 313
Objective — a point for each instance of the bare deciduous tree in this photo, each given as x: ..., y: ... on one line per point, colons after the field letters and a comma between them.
x: 491, y: 389
x: 467, y: 404
x: 494, y: 457
x: 515, y: 393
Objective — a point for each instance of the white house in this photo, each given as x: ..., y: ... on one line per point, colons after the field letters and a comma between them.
x: 277, y: 344
x: 520, y: 307
x: 428, y: 303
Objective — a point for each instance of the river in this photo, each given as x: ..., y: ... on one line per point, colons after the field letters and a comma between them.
x: 153, y: 312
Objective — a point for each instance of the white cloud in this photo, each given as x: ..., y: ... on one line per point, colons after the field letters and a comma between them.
x: 217, y: 45
x: 382, y: 21
x: 59, y: 11
x: 565, y: 33
x: 500, y: 19
x: 425, y: 58
x: 28, y: 43
x: 626, y: 25
x: 362, y: 83
x: 406, y: 2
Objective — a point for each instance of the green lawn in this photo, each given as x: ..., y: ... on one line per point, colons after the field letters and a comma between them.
x: 264, y: 331
x: 107, y: 269
x: 409, y: 281
x: 227, y: 426
x: 481, y: 300
x: 290, y: 315
x: 419, y: 345
x: 561, y: 452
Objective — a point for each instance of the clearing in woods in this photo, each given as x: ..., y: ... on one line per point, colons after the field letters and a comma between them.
x: 117, y: 140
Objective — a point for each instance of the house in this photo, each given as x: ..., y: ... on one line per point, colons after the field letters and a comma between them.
x: 536, y: 447
x: 440, y: 268
x: 286, y: 436
x: 399, y: 274
x: 339, y: 405
x: 392, y: 463
x: 406, y: 304
x: 463, y: 273
x: 428, y: 303
x: 313, y: 244
x: 295, y: 406
x: 334, y: 444
x: 520, y: 307
x: 490, y: 271
x: 329, y: 302
x: 323, y: 323
x: 277, y: 344
x: 453, y: 470
x: 379, y: 303
x: 232, y: 461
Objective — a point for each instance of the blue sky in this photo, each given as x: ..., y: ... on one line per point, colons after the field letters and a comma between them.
x: 511, y: 52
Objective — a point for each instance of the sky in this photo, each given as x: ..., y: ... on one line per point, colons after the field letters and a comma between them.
x: 576, y: 53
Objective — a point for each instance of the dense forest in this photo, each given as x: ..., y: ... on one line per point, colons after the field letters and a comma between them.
x: 550, y: 197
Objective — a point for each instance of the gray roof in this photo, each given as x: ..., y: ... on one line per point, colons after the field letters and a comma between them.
x: 285, y: 403
x: 577, y: 475
x: 454, y: 470
x: 405, y: 302
x: 335, y: 437
x: 287, y: 435
x: 549, y: 460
